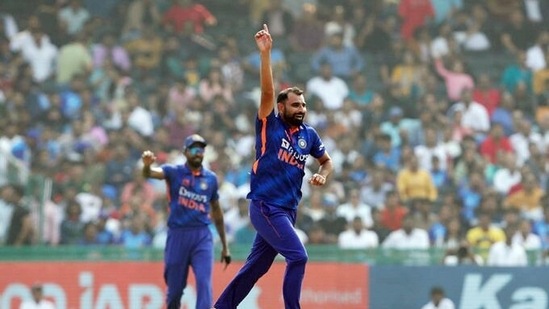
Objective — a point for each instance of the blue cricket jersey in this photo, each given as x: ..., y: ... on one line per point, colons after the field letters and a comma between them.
x: 281, y: 152
x: 189, y: 195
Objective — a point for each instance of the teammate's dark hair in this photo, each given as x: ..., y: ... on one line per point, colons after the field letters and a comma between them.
x: 283, y: 95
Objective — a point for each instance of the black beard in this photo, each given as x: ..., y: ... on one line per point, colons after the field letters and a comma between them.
x: 195, y: 163
x: 291, y: 120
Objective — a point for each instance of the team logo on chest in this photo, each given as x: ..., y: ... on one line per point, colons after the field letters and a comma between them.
x: 302, y: 143
x: 203, y: 185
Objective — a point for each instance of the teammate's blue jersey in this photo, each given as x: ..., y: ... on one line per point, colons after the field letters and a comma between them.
x: 189, y: 195
x: 281, y: 153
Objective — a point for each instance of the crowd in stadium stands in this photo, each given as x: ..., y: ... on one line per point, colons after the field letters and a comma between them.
x: 435, y: 112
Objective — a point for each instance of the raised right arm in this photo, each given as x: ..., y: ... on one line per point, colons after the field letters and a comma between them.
x: 148, y: 171
x: 264, y: 44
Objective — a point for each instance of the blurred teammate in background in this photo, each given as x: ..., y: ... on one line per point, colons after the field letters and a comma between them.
x: 194, y: 199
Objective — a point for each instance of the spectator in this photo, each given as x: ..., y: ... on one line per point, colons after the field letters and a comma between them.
x: 386, y: 156
x: 308, y: 31
x: 73, y: 59
x: 458, y: 82
x: 392, y: 214
x: 503, y: 114
x: 508, y: 175
x: 108, y: 48
x: 330, y: 89
x: 423, y: 215
x: 374, y: 191
x: 439, y: 300
x: 528, y: 198
x: 186, y: 17
x: 486, y: 94
x: 345, y: 61
x: 141, y: 15
x: 414, y: 182
x: 406, y: 75
x: 360, y: 92
x: 525, y: 237
x: 432, y: 148
x: 333, y: 223
x: 518, y: 34
x: 279, y: 19
x: 146, y: 50
x: 214, y: 85
x: 353, y: 208
x: 484, y: 234
x: 505, y: 253
x: 135, y: 236
x: 414, y: 14
x: 535, y: 54
x: 73, y: 17
x: 517, y: 73
x: 521, y: 140
x: 408, y: 237
x: 38, y: 301
x: 72, y: 228
x: 357, y: 236
x: 19, y: 230
x: 540, y: 227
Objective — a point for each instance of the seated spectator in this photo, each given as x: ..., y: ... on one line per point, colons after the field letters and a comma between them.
x: 525, y: 237
x: 135, y: 236
x: 518, y: 34
x: 236, y: 217
x: 357, y: 236
x: 386, y: 156
x: 414, y: 14
x: 470, y: 192
x: 73, y: 17
x: 339, y: 22
x: 353, y: 207
x: 408, y: 237
x: 330, y: 89
x: 108, y: 48
x: 392, y: 214
x: 457, y: 81
x: 496, y: 142
x: 521, y: 140
x: 486, y: 94
x: 406, y: 75
x: 145, y: 50
x: 535, y: 54
x: 540, y: 227
x: 431, y: 148
x: 213, y: 85
x: 484, y: 234
x: 463, y: 255
x: 508, y: 175
x: 332, y: 223
x: 72, y: 228
x: 423, y: 215
x: 517, y: 73
x: 308, y: 31
x: 279, y: 19
x: 441, y: 178
x: 186, y: 17
x: 503, y: 113
x: 528, y: 198
x: 73, y: 59
x: 414, y: 182
x: 141, y: 15
x: 360, y: 92
x: 344, y: 60
x: 506, y: 253
x: 375, y: 190
x: 90, y: 235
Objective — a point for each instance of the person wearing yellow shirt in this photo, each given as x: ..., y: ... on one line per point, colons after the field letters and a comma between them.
x: 415, y: 183
x: 484, y: 235
x: 528, y: 198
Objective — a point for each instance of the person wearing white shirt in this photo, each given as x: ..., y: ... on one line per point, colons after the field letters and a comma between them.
x: 408, y: 237
x: 41, y: 55
x: 357, y: 237
x: 74, y: 16
x: 526, y: 238
x: 438, y: 300
x: 355, y: 208
x: 535, y: 55
x: 507, y: 176
x: 507, y: 253
x: 38, y: 301
x: 475, y: 116
x: 522, y: 138
x: 331, y: 89
x: 430, y: 149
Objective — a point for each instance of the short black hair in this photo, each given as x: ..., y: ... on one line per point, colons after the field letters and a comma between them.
x: 283, y: 95
x: 437, y: 290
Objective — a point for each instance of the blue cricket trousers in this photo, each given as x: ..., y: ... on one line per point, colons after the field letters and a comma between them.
x: 275, y: 234
x: 188, y: 247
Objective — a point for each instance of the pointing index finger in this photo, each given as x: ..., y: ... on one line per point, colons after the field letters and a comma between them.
x: 265, y: 28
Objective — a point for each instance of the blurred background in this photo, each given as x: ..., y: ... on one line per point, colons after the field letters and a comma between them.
x: 435, y: 112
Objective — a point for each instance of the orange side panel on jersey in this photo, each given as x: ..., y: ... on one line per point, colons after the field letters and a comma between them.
x: 263, y: 142
x: 168, y: 192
